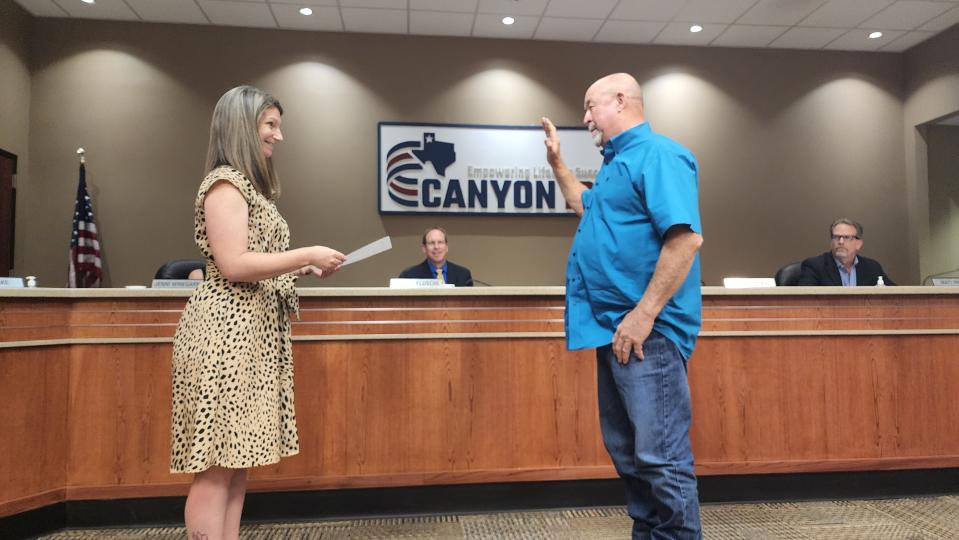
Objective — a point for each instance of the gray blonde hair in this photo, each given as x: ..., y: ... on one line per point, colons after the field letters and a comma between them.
x: 847, y: 221
x: 235, y: 140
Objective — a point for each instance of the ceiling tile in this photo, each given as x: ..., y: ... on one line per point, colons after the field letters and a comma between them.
x: 844, y: 13
x: 857, y: 39
x: 324, y: 18
x: 439, y: 23
x: 593, y: 9
x: 103, y: 9
x: 169, y: 11
x: 727, y: 23
x: 906, y: 15
x: 679, y: 34
x: 779, y: 12
x: 629, y: 31
x: 513, y: 7
x: 741, y: 35
x: 942, y: 22
x: 491, y: 26
x: 42, y: 8
x: 906, y: 41
x: 298, y: 3
x: 711, y: 11
x: 238, y: 13
x: 386, y: 21
x: 646, y: 10
x: 379, y: 4
x: 461, y: 6
x: 806, y: 38
x: 567, y: 29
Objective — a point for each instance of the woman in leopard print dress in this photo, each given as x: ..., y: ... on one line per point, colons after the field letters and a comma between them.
x: 232, y: 359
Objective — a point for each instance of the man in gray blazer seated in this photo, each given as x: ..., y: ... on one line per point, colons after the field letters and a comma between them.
x: 436, y: 266
x: 842, y: 265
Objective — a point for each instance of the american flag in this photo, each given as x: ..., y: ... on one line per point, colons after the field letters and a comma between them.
x: 85, y: 265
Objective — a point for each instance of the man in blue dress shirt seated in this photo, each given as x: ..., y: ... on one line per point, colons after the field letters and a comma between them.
x: 842, y: 265
x: 632, y: 291
x: 436, y: 266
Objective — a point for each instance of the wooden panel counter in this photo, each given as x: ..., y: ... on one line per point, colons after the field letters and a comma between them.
x: 402, y: 388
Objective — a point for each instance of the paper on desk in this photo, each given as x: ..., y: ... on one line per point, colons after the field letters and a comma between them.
x: 373, y: 248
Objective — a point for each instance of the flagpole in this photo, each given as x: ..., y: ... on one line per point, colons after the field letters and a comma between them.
x: 86, y: 266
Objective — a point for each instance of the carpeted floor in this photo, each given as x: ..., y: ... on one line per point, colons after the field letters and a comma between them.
x: 889, y: 519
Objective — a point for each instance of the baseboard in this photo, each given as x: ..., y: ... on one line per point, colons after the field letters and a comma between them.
x: 479, y: 498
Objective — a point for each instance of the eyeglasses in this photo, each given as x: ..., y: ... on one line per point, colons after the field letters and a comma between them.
x: 846, y: 237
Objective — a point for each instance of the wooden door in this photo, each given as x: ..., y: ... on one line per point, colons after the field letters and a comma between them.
x: 8, y: 167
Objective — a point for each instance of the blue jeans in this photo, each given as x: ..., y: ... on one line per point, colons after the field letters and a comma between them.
x: 644, y: 414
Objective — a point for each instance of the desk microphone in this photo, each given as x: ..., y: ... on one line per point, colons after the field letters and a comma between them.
x: 481, y: 282
x: 930, y: 276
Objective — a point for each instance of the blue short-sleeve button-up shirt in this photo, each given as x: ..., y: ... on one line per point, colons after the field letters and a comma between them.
x: 647, y: 184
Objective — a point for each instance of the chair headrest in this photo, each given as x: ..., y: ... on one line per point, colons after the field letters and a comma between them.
x: 178, y: 268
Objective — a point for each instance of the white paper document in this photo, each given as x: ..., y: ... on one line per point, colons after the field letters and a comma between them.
x: 373, y: 248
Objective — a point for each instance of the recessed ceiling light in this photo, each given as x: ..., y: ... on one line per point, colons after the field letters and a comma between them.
x: 306, y: 11
x: 508, y: 20
x: 875, y: 35
x: 87, y: 1
x: 695, y: 28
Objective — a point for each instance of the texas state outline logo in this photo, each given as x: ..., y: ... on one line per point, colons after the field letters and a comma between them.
x: 404, y: 162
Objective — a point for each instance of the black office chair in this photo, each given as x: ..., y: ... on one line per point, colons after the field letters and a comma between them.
x: 788, y: 276
x: 179, y: 269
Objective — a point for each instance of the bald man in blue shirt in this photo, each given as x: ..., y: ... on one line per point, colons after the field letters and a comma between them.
x: 633, y: 293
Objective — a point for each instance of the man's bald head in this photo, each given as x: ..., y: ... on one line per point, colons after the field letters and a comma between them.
x: 620, y: 83
x: 612, y: 104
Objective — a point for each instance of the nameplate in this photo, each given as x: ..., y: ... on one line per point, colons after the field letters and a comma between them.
x: 748, y: 282
x: 11, y: 283
x: 175, y: 283
x: 945, y: 282
x: 413, y: 283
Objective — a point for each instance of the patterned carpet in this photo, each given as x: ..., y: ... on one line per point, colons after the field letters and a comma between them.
x: 889, y: 519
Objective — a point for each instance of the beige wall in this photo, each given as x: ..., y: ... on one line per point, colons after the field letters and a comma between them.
x: 932, y: 77
x: 786, y: 140
x: 15, y: 26
x: 943, y: 166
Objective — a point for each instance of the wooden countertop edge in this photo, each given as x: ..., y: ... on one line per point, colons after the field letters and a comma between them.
x: 346, y: 292
x: 490, y: 335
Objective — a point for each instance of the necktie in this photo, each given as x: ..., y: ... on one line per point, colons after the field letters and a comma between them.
x: 439, y: 275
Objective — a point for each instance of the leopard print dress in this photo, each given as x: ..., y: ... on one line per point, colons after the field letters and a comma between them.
x: 232, y: 357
